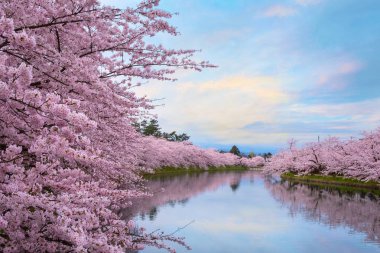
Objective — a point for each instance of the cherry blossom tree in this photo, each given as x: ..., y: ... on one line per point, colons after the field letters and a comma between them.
x: 69, y: 154
x: 358, y: 159
x: 158, y: 153
x: 257, y: 161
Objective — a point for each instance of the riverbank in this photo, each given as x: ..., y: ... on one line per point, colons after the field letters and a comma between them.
x: 336, y: 182
x: 194, y: 170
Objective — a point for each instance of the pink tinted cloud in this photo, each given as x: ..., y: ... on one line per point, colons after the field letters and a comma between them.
x: 349, y: 67
x: 307, y: 2
x: 336, y: 77
x: 279, y: 11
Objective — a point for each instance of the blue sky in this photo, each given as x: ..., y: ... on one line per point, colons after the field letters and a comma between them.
x: 292, y: 68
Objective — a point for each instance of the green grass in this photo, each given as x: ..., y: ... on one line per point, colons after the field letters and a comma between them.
x: 192, y: 170
x: 335, y: 182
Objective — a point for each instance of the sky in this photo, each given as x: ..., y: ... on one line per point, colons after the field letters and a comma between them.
x: 286, y: 69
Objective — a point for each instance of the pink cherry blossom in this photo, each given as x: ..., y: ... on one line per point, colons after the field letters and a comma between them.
x: 70, y: 157
x: 356, y: 158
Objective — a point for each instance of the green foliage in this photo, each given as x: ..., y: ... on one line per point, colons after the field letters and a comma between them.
x: 235, y: 150
x: 266, y: 156
x: 173, y: 136
x: 193, y: 170
x: 251, y: 154
x: 153, y: 128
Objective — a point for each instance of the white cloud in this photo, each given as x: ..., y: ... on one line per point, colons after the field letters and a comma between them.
x: 279, y: 11
x: 236, y: 226
x: 361, y: 111
x: 308, y: 2
x: 335, y: 75
x: 349, y: 118
x: 256, y: 110
x: 220, y: 109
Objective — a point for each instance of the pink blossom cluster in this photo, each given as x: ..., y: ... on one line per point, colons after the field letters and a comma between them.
x: 69, y: 155
x: 256, y: 161
x: 157, y: 153
x: 355, y: 158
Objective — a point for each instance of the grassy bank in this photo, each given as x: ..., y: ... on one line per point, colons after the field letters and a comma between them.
x: 336, y: 182
x: 195, y: 170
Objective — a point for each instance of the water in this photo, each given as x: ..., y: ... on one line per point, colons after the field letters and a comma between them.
x: 247, y: 212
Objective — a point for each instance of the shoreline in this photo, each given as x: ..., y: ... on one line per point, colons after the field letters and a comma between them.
x: 339, y: 183
x: 195, y: 170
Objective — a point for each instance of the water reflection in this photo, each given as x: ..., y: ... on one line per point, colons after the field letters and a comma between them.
x: 359, y: 211
x: 247, y: 212
x: 178, y: 189
x: 235, y: 185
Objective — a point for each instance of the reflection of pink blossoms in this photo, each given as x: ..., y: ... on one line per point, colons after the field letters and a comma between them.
x: 360, y: 213
x: 183, y: 187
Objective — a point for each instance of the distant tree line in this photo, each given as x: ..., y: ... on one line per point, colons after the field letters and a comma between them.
x: 235, y: 150
x: 153, y: 128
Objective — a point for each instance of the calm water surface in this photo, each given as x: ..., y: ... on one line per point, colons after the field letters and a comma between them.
x: 247, y: 212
